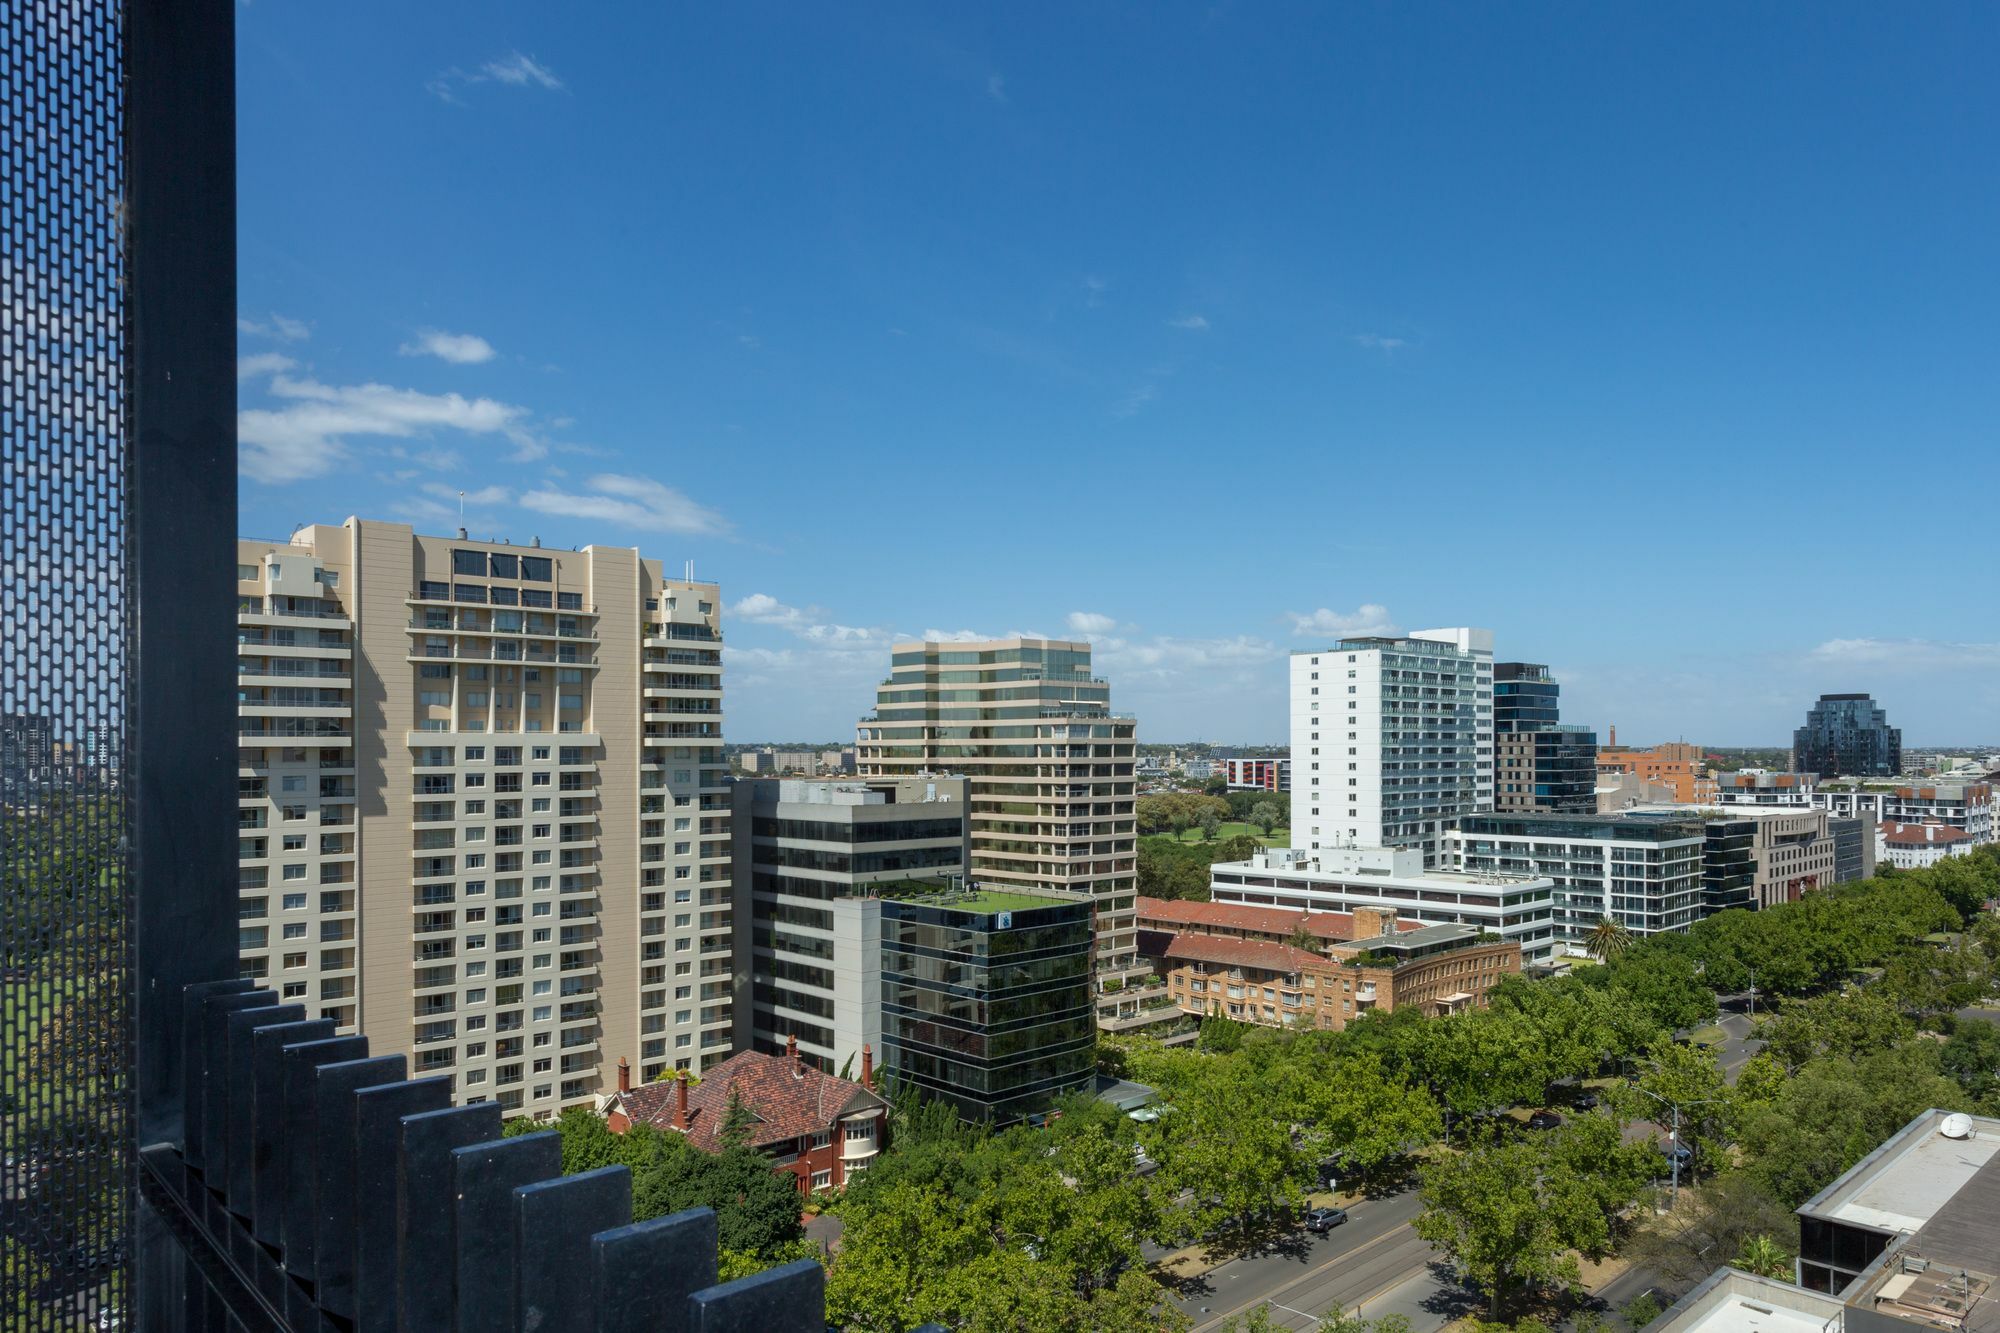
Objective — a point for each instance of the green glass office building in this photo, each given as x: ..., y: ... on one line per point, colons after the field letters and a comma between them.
x: 986, y: 999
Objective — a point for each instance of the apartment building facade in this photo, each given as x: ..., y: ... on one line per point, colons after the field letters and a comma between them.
x: 1050, y: 771
x: 1539, y: 762
x: 483, y: 815
x: 1970, y: 807
x: 1848, y: 735
x: 1645, y: 874
x: 1347, y: 880
x: 1392, y: 739
x: 813, y: 861
x: 1433, y: 970
x: 1759, y: 856
x: 1257, y: 773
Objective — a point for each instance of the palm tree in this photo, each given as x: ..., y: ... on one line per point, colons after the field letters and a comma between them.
x: 1764, y: 1257
x: 1607, y: 939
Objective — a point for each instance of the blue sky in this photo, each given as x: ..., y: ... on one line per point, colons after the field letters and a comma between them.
x: 1662, y: 342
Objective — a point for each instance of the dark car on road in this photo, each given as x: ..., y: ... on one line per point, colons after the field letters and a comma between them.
x: 1545, y: 1120
x: 1323, y: 1220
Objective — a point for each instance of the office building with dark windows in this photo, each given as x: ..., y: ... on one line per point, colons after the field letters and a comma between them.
x: 1848, y: 735
x: 986, y: 998
x: 1050, y: 770
x: 1539, y: 762
x: 814, y: 861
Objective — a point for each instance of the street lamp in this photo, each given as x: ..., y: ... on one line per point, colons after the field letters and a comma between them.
x: 1753, y: 992
x: 1674, y: 1157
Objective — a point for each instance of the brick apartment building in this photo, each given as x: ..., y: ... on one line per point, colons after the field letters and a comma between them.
x: 1238, y: 962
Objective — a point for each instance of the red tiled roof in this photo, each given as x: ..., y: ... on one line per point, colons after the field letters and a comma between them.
x: 1242, y: 953
x: 1186, y: 914
x: 790, y: 1099
x: 1922, y: 835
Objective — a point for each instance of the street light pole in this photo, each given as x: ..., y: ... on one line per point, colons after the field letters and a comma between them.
x: 1674, y: 1157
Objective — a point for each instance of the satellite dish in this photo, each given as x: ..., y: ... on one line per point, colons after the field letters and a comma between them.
x: 1957, y: 1125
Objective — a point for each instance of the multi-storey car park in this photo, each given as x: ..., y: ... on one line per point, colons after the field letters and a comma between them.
x: 1049, y: 769
x: 483, y: 808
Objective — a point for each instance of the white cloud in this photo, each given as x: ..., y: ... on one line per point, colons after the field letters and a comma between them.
x: 515, y: 70
x: 761, y: 608
x: 263, y: 363
x: 1192, y: 323
x: 952, y: 636
x: 461, y: 349
x: 996, y: 87
x: 281, y: 327
x: 749, y: 341
x: 1379, y: 342
x: 520, y: 70
x: 1906, y: 654
x: 483, y: 498
x: 1368, y: 618
x: 1131, y: 403
x: 308, y: 436
x: 1094, y: 289
x: 1090, y: 622
x: 633, y: 502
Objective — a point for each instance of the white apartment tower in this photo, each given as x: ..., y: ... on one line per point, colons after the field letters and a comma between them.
x: 483, y: 812
x: 1392, y: 739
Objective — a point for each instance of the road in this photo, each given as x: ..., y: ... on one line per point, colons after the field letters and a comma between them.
x: 1738, y: 1046
x: 1304, y: 1276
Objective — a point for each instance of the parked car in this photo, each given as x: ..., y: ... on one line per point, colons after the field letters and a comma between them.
x: 1678, y: 1153
x: 1323, y: 1220
x: 1545, y: 1119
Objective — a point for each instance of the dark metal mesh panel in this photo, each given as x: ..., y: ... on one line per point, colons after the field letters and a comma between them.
x: 65, y: 1085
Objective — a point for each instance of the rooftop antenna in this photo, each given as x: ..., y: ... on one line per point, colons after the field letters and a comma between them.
x: 461, y: 509
x: 690, y: 571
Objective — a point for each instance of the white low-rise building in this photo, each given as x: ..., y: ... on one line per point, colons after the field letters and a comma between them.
x: 1914, y: 846
x: 1341, y: 879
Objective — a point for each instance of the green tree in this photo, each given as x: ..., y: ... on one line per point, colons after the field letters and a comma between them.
x: 1516, y: 1215
x: 1211, y: 824
x: 1842, y: 1025
x: 1266, y: 815
x: 1829, y: 1113
x: 1607, y: 939
x: 1764, y: 1257
x: 1688, y: 1077
x: 1718, y: 1217
x: 1972, y: 1057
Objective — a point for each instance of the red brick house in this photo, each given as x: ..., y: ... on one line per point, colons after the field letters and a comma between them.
x: 819, y: 1128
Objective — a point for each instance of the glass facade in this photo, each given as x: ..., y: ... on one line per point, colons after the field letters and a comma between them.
x: 1540, y: 764
x: 989, y: 1008
x: 1847, y: 735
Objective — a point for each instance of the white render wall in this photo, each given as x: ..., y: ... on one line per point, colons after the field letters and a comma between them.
x: 1359, y: 779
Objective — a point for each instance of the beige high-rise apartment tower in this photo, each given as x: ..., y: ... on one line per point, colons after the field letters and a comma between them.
x: 1049, y: 768
x: 483, y: 814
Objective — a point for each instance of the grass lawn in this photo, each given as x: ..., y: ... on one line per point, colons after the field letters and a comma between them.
x: 998, y: 900
x: 1279, y: 836
x: 1708, y: 1035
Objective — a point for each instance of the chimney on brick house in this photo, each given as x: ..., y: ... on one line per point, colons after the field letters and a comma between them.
x: 867, y: 1067
x: 792, y: 1054
x: 681, y: 1100
x: 624, y: 1074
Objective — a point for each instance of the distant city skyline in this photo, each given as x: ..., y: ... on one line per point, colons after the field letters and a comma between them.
x: 1204, y: 333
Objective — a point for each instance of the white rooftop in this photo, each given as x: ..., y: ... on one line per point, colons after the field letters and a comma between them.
x: 1733, y: 1302
x: 1903, y: 1183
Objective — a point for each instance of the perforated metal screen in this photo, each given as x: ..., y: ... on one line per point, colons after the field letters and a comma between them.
x: 66, y: 1103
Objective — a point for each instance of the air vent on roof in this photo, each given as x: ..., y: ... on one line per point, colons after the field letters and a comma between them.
x: 1957, y: 1125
